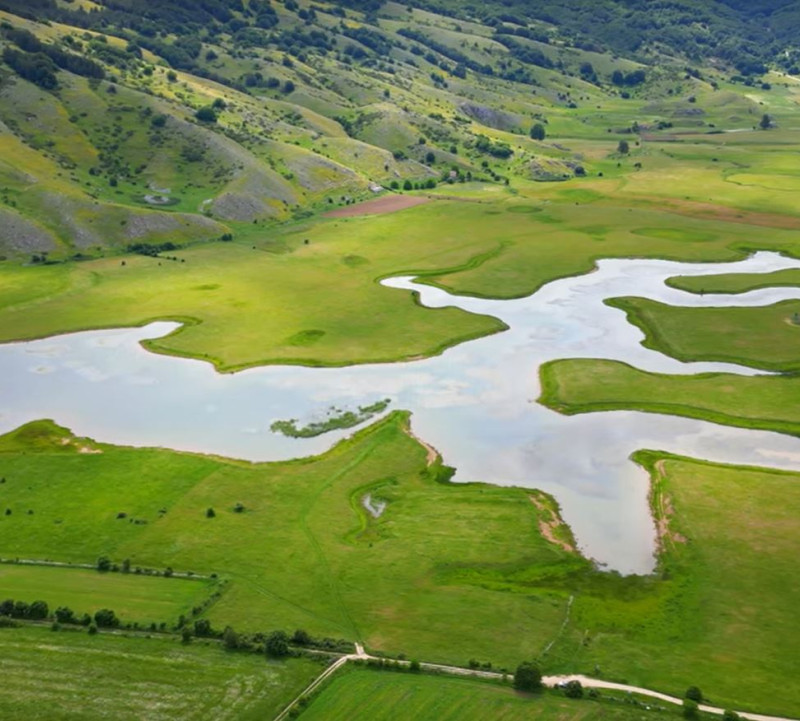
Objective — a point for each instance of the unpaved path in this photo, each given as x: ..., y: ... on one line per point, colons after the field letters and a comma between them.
x: 550, y: 681
x: 386, y: 204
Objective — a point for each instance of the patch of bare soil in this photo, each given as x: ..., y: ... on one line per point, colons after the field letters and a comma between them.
x: 386, y: 204
x: 548, y: 527
x: 664, y: 514
x: 432, y: 453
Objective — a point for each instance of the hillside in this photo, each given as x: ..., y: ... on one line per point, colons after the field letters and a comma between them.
x: 126, y: 125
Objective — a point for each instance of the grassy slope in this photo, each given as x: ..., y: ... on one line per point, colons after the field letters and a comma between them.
x: 58, y: 676
x: 436, y: 576
x: 585, y: 385
x: 762, y: 337
x: 735, y: 282
x: 358, y: 695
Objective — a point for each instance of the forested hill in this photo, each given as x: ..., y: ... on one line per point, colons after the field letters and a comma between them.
x: 133, y: 124
x: 745, y: 33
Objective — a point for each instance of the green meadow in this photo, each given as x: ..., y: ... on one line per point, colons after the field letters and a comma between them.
x: 508, y: 247
x: 448, y: 572
x: 361, y: 695
x: 584, y: 385
x: 736, y: 282
x: 55, y: 676
x: 766, y: 337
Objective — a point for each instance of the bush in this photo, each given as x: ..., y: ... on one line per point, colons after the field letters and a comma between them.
x: 92, y: 629
x: 573, y: 689
x: 690, y: 709
x: 106, y: 618
x: 277, y: 645
x: 694, y: 693
x: 538, y: 132
x: 527, y: 677
x: 206, y: 115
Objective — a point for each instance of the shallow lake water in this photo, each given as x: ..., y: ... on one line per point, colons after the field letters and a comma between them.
x: 476, y: 403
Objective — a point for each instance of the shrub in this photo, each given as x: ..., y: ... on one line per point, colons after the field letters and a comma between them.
x: 694, y: 693
x: 527, y: 677
x: 206, y: 115
x: 690, y: 709
x: 573, y: 689
x: 106, y: 618
x: 277, y: 645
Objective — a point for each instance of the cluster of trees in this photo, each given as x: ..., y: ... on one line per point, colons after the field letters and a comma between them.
x: 497, y: 150
x: 631, y: 79
x: 40, y: 611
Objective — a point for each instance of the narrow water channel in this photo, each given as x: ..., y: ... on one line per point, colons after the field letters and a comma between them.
x: 476, y: 403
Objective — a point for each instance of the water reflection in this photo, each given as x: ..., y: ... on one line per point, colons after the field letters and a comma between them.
x: 475, y: 403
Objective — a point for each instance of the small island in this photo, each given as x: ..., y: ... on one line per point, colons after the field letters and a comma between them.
x: 336, y: 419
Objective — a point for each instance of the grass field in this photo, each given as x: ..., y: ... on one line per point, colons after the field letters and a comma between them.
x: 735, y: 282
x: 508, y: 247
x: 729, y: 541
x: 585, y: 385
x: 52, y: 676
x: 360, y: 695
x: 135, y: 598
x: 304, y: 553
x: 447, y: 573
x: 766, y: 337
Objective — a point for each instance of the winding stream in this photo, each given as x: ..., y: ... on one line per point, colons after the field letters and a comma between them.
x: 476, y: 403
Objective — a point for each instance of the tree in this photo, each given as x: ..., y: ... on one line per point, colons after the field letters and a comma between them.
x: 694, y: 693
x: 202, y: 628
x: 766, y: 122
x: 407, y: 185
x: 690, y: 709
x: 288, y: 87
x: 38, y: 610
x: 301, y: 638
x: 527, y: 677
x: 106, y: 618
x: 210, y: 513
x: 65, y: 614
x: 538, y: 132
x: 92, y: 629
x: 729, y: 715
x: 277, y: 645
x: 414, y: 666
x: 573, y: 689
x: 230, y: 639
x: 103, y: 563
x: 618, y: 78
x: 186, y: 635
x: 623, y: 148
x: 206, y: 115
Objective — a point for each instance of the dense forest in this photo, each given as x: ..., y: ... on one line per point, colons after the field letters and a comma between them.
x: 746, y: 35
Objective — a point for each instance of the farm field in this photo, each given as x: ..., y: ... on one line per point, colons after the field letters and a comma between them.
x: 55, y: 676
x: 137, y: 599
x: 437, y: 564
x: 358, y: 695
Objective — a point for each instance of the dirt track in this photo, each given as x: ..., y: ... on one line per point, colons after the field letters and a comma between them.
x: 386, y: 204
